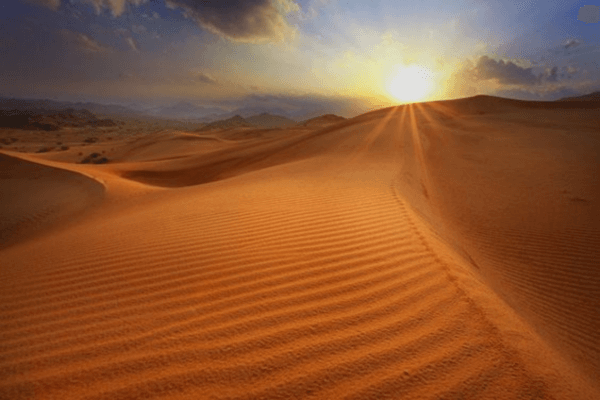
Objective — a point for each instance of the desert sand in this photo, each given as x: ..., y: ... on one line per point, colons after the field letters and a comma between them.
x: 442, y: 250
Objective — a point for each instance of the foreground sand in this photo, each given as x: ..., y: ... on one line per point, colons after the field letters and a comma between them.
x: 447, y: 250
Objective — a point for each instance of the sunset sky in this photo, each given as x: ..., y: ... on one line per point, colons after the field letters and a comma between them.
x: 345, y: 55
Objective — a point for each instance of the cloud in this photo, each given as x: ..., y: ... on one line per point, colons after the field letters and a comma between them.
x: 117, y: 7
x: 126, y: 35
x: 139, y: 29
x: 589, y: 14
x: 551, y: 74
x: 488, y: 76
x: 572, y: 43
x: 505, y: 72
x: 84, y: 43
x: 203, y: 77
x: 570, y: 48
x: 132, y: 44
x: 249, y: 21
x: 571, y: 69
x: 51, y: 4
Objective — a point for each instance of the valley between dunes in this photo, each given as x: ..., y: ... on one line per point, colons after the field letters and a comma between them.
x: 442, y: 250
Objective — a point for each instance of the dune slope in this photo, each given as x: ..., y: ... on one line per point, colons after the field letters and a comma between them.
x: 518, y: 192
x: 36, y: 197
x: 359, y: 261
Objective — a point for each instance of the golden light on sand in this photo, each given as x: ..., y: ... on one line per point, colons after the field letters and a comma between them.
x: 342, y: 258
x: 411, y: 83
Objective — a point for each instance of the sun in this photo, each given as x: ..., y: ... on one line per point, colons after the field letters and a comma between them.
x: 411, y: 83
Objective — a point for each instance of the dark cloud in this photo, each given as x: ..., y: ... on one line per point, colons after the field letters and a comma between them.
x: 241, y: 20
x: 505, y: 72
x: 551, y: 74
x: 589, y: 14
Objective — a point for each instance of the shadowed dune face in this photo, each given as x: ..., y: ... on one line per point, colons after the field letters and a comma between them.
x: 250, y: 155
x: 35, y: 197
x: 440, y: 250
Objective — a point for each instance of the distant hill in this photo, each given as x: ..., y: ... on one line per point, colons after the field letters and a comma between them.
x: 233, y: 122
x: 263, y: 120
x: 271, y: 116
x: 595, y: 96
x: 50, y: 120
x: 323, y: 120
x: 266, y: 120
x: 45, y: 106
x: 188, y: 111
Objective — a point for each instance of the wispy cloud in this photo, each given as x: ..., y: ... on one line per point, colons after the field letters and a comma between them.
x: 84, y: 43
x: 117, y: 7
x: 203, y: 77
x: 139, y: 29
x: 51, y: 4
x: 572, y: 43
x: 132, y: 44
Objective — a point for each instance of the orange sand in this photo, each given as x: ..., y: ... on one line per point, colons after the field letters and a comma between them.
x: 434, y: 251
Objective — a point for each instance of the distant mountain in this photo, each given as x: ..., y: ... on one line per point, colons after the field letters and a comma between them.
x: 233, y: 122
x: 263, y: 120
x: 250, y: 111
x: 595, y: 96
x: 323, y: 120
x: 104, y: 109
x: 186, y: 110
x: 50, y: 120
x: 45, y: 106
x: 266, y: 120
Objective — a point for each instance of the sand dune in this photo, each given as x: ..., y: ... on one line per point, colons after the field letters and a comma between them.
x: 441, y: 250
x: 36, y: 196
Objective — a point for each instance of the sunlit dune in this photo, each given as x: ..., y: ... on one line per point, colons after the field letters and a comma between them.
x: 438, y: 250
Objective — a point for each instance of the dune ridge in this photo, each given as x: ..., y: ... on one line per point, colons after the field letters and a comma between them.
x: 343, y: 262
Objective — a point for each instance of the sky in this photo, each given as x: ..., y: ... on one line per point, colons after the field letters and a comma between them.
x: 342, y: 56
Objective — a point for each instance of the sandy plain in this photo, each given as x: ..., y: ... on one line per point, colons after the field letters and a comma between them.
x: 443, y: 250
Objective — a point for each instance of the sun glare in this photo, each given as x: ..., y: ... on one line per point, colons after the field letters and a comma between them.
x: 410, y: 84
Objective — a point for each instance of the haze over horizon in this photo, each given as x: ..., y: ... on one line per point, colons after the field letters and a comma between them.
x: 345, y: 57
